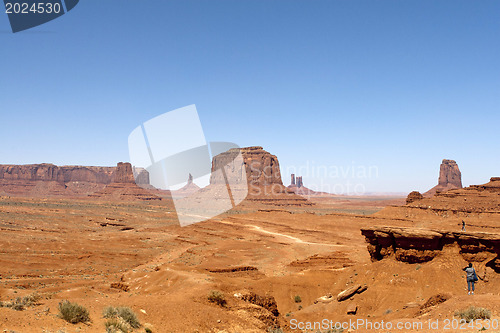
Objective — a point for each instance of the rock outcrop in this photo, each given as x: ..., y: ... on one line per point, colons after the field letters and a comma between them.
x: 297, y: 187
x: 260, y: 168
x: 414, y: 196
x: 260, y: 172
x: 123, y: 173
x: 413, y: 245
x: 124, y: 187
x: 450, y: 178
x: 187, y: 189
x: 48, y: 179
x: 473, y: 201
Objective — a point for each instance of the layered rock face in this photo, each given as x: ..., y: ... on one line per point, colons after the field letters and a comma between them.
x: 49, y: 179
x: 260, y: 172
x: 260, y: 167
x: 414, y: 196
x: 124, y: 187
x: 450, y: 178
x: 46, y: 172
x: 414, y: 245
x: 123, y: 173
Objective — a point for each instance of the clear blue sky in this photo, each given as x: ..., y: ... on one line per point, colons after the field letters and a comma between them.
x: 398, y: 85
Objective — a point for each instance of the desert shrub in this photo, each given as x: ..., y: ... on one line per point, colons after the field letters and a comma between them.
x: 72, y: 312
x: 297, y: 299
x: 148, y: 330
x: 274, y: 330
x: 121, y: 314
x: 473, y: 313
x: 116, y: 325
x: 217, y: 297
x: 109, y: 312
x: 129, y: 317
x: 20, y: 303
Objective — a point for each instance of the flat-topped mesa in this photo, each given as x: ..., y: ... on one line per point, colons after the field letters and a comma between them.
x: 450, y: 178
x: 33, y: 172
x: 259, y: 172
x: 260, y: 167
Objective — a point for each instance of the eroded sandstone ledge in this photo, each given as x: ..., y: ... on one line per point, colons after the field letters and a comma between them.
x: 413, y: 245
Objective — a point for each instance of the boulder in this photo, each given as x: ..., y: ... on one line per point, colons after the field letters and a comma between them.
x: 414, y: 196
x: 351, y: 291
x: 352, y: 308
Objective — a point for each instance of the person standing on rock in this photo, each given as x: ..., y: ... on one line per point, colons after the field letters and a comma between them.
x: 463, y: 225
x: 471, y: 277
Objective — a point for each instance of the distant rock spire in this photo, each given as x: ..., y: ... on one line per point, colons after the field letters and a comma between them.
x: 190, y: 179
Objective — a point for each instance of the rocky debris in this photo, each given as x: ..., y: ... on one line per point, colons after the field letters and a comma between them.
x: 414, y: 196
x: 450, y: 178
x: 411, y: 305
x: 120, y: 285
x: 351, y: 291
x: 267, y: 302
x: 232, y: 269
x: 334, y: 260
x: 433, y: 301
x: 264, y: 308
x: 324, y: 299
x: 352, y: 308
x: 413, y: 245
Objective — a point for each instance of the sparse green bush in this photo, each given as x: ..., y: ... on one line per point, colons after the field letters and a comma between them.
x: 109, y: 312
x: 297, y: 299
x: 217, y: 297
x: 20, y: 303
x: 274, y: 330
x: 72, y: 312
x: 148, y: 330
x: 121, y: 315
x: 116, y: 325
x: 473, y: 313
